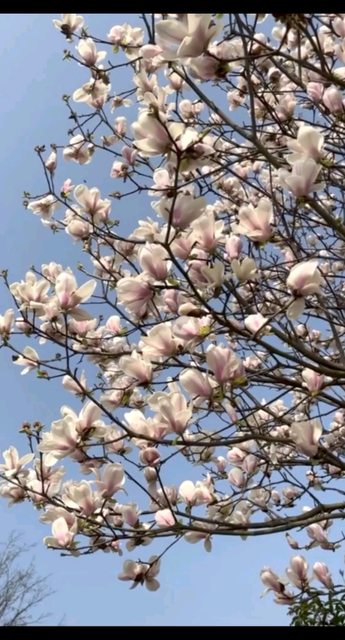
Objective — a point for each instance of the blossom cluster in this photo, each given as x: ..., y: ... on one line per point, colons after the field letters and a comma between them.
x: 231, y: 292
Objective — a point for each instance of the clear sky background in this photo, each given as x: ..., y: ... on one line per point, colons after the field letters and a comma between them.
x: 220, y: 588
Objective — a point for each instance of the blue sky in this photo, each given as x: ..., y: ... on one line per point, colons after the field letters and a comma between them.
x: 221, y: 588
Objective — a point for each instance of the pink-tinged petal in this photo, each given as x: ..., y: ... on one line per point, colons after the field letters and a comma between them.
x: 295, y: 309
x: 306, y: 435
x: 49, y: 541
x: 165, y: 518
x: 60, y: 531
x: 208, y: 545
x: 187, y: 491
x: 322, y: 574
x: 26, y: 459
x: 152, y: 585
x: 254, y: 322
x: 171, y: 31
x: 86, y: 290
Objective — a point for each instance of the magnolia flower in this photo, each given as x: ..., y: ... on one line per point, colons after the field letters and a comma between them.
x: 255, y: 223
x: 88, y: 51
x: 222, y: 362
x: 13, y: 464
x: 41, y: 491
x: 116, y: 34
x: 185, y: 210
x: 192, y: 35
x: 62, y: 536
x: 78, y: 229
x: 291, y: 541
x: 301, y: 181
x: 237, y: 478
x: 150, y: 474
x: 208, y: 231
x: 119, y: 170
x: 91, y: 203
x: 286, y: 598
x: 87, y: 419
x: 250, y: 465
x: 164, y: 518
x: 82, y: 327
x: 52, y: 513
x: 77, y: 151
x: 117, y: 102
x: 233, y: 247
x: 194, y: 495
x: 136, y: 367
x: 244, y: 269
x: 196, y: 536
x: 306, y: 435
x: 31, y: 294
x: 191, y: 330
x: 197, y: 383
x: 315, y: 91
x: 333, y: 100
x: 23, y: 325
x: 272, y: 581
x: 136, y: 293
x: 77, y: 387
x: 68, y: 293
x: 173, y: 409
x: 69, y: 24
x: 44, y: 472
x: 51, y: 271
x: 144, y: 541
x: 305, y: 279
x: 91, y: 92
x: 298, y: 571
x: 112, y: 481
x: 44, y: 207
x: 322, y: 573
x: 29, y: 360
x: 318, y: 535
x: 113, y: 324
x: 159, y: 342
x: 255, y: 322
x: 214, y: 275
x: 314, y: 381
x: 190, y: 109
x: 236, y: 456
x: 14, y: 492
x: 130, y: 513
x: 66, y: 188
x: 309, y: 144
x: 176, y: 83
x: 154, y: 260
x: 140, y: 573
x: 149, y: 456
x: 151, y: 137
x: 6, y: 322
x: 162, y: 182
x: 131, y: 36
x: 79, y: 495
x: 141, y: 79
x: 51, y: 162
x: 152, y: 58
x: 61, y: 441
